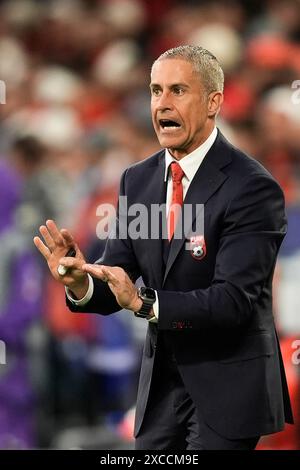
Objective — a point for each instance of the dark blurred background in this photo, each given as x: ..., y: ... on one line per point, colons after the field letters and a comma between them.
x: 76, y: 114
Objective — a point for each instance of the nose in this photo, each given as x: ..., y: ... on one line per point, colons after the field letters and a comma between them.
x: 163, y: 102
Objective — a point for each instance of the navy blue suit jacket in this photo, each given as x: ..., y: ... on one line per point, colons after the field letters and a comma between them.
x: 217, y: 311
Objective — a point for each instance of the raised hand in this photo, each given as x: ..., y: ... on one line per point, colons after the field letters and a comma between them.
x: 119, y: 283
x: 54, y: 248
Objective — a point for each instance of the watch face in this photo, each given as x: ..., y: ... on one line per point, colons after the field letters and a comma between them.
x: 148, y: 293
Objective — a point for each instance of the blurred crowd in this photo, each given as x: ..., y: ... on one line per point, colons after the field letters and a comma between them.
x: 75, y: 115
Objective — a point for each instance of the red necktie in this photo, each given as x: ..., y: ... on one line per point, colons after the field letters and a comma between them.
x: 177, y: 198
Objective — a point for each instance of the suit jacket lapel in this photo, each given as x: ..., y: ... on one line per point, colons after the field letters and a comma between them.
x: 156, y: 194
x: 205, y: 183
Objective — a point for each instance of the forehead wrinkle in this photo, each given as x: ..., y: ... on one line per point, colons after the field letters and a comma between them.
x: 186, y: 82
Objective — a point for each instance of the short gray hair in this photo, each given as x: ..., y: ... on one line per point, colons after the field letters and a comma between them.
x: 204, y: 63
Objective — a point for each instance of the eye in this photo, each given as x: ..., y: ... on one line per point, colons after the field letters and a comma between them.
x: 178, y: 91
x: 155, y: 91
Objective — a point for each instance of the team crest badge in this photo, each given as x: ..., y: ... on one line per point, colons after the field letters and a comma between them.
x: 198, y: 247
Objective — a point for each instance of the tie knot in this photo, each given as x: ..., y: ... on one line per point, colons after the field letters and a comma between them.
x: 177, y: 172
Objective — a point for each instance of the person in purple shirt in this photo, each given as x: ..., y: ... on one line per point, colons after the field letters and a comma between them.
x: 9, y: 194
x: 20, y: 306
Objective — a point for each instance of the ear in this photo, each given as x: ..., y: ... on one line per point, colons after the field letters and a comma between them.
x: 215, y: 100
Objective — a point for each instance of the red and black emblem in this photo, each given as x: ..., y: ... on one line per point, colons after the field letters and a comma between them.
x: 198, y: 247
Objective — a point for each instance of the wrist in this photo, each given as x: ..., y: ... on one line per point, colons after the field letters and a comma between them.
x: 79, y: 290
x: 147, y: 297
x: 136, y: 304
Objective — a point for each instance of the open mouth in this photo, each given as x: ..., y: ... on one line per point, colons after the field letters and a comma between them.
x: 168, y: 124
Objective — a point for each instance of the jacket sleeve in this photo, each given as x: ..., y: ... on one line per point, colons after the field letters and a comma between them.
x: 253, y: 228
x: 117, y: 252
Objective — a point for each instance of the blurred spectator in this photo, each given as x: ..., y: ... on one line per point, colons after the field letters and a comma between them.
x: 20, y: 308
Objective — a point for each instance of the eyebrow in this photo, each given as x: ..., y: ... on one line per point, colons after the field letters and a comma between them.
x: 173, y: 85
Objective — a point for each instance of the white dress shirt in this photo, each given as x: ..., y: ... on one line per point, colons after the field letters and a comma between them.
x: 189, y: 164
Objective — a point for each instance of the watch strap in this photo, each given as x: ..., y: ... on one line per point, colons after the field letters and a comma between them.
x: 146, y: 307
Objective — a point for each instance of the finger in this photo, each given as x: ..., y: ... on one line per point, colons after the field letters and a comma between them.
x: 69, y: 240
x: 55, y: 233
x: 43, y: 249
x: 70, y: 262
x: 95, y: 271
x: 67, y: 236
x: 47, y: 237
x: 110, y: 276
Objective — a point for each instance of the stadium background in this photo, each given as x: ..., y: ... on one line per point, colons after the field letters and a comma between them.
x: 74, y: 115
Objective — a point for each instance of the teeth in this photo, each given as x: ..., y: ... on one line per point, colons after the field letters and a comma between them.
x: 168, y: 124
x: 170, y: 127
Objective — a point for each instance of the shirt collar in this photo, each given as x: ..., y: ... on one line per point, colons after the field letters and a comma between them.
x: 191, y: 162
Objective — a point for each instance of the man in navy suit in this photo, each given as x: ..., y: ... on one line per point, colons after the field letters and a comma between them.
x: 212, y: 375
